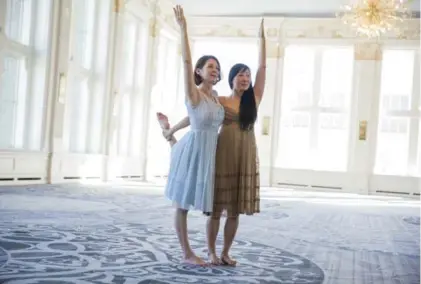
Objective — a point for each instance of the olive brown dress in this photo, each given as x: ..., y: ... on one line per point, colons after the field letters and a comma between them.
x: 237, y: 181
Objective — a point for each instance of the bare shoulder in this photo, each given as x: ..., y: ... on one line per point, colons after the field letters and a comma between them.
x: 222, y: 99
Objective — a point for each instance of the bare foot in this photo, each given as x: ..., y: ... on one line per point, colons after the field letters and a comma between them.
x: 165, y: 125
x: 163, y: 120
x: 226, y: 260
x: 194, y: 260
x: 213, y: 259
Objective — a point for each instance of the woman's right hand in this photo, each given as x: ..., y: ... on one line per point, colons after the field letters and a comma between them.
x: 179, y: 16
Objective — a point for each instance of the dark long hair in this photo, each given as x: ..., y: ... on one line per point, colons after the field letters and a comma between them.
x: 248, y: 110
x: 201, y: 62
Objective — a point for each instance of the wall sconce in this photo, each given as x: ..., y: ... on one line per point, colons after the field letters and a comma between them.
x: 362, y: 130
x: 265, y: 125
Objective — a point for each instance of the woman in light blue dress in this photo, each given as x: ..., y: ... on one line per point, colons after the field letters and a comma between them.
x: 192, y: 169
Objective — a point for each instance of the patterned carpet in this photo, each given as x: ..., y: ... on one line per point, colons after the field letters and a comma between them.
x: 124, y: 234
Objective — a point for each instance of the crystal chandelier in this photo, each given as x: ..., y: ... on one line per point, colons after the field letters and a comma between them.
x: 371, y: 18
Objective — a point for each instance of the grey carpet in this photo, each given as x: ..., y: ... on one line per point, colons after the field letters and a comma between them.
x: 124, y: 234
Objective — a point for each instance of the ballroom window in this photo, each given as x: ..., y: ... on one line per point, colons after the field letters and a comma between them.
x: 315, y: 108
x: 165, y: 98
x: 398, y: 139
x: 88, y: 65
x: 129, y: 100
x: 24, y: 50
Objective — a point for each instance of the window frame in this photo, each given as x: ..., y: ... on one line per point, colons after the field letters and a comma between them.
x: 315, y: 110
x: 413, y: 114
x: 78, y: 72
x: 28, y: 53
x: 133, y: 90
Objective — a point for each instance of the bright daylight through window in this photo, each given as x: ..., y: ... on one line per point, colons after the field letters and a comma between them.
x: 24, y: 40
x: 314, y: 129
x: 87, y: 75
x: 398, y: 139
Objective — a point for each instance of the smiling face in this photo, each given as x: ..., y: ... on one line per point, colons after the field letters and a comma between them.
x: 207, y: 70
x: 210, y: 71
x: 242, y: 80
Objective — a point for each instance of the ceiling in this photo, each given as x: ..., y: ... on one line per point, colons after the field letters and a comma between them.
x: 281, y: 8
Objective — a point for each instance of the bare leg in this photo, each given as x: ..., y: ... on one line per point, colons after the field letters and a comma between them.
x: 164, y: 123
x: 212, y: 228
x: 230, y: 229
x: 181, y: 228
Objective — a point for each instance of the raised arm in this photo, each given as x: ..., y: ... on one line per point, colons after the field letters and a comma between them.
x: 259, y: 85
x: 190, y: 89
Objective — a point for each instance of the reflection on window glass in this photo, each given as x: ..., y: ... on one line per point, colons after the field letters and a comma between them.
x: 80, y: 107
x: 18, y: 20
x: 396, y: 91
x: 83, y: 31
x: 397, y: 79
x: 336, y: 77
x: 392, y: 146
x: 129, y: 48
x: 13, y: 85
x: 317, y: 137
x: 332, y: 144
x: 298, y: 77
x: 294, y: 142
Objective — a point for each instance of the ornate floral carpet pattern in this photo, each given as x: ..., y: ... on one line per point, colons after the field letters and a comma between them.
x: 124, y: 234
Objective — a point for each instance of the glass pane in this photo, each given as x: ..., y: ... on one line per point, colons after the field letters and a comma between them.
x: 83, y: 31
x: 332, y: 148
x: 298, y: 77
x: 18, y: 20
x: 79, y: 107
x: 138, y: 121
x: 336, y: 79
x: 13, y: 95
x: 392, y: 146
x: 397, y: 79
x: 124, y: 124
x: 129, y: 47
x: 294, y: 141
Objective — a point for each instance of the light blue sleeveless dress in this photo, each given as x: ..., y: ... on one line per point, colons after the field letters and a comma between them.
x: 192, y: 168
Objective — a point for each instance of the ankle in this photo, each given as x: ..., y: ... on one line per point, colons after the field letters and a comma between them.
x: 189, y: 254
x: 211, y: 252
x: 224, y: 253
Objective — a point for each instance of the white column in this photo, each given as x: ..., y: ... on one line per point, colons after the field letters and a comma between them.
x: 150, y: 80
x: 267, y: 115
x: 365, y: 105
x: 57, y: 87
x: 112, y: 81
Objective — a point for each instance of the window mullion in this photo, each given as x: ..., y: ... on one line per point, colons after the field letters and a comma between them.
x: 29, y: 65
x: 314, y: 121
x: 92, y: 79
x: 414, y: 120
x: 133, y: 91
x: 15, y: 48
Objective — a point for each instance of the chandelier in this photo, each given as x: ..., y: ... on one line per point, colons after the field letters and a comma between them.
x: 371, y: 18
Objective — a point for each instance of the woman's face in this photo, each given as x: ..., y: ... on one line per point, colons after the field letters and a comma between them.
x: 242, y: 81
x: 210, y: 71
